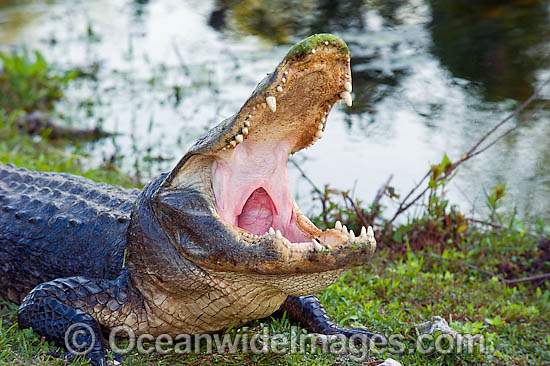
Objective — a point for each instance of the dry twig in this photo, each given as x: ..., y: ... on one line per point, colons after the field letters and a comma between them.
x: 512, y: 281
x: 474, y: 151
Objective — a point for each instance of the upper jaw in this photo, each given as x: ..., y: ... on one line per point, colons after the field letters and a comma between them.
x: 293, y: 102
x: 281, y: 95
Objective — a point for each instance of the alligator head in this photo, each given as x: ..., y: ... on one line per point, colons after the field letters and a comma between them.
x: 227, y: 206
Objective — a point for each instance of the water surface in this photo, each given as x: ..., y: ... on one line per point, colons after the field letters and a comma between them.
x: 430, y: 77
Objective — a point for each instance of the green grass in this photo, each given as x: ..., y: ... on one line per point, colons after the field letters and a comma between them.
x: 38, y: 153
x: 27, y: 82
x: 389, y: 297
x: 437, y: 263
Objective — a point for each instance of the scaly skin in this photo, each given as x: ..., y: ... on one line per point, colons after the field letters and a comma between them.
x: 63, y: 238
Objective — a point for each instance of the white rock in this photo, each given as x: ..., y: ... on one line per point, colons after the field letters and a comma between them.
x: 436, y: 324
x: 390, y: 362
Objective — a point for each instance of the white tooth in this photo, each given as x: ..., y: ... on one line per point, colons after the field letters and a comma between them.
x: 313, y: 50
x: 326, y: 43
x: 351, y: 236
x: 363, y: 232
x: 345, y: 229
x: 370, y: 233
x: 319, y: 133
x: 283, y: 80
x: 320, y: 126
x: 323, y: 119
x: 325, y: 113
x: 347, y: 86
x: 338, y: 225
x: 224, y: 148
x: 233, y: 143
x: 272, y: 103
x: 279, y: 88
x: 245, y: 131
x: 347, y: 97
x: 339, y: 101
x: 271, y: 231
x: 316, y: 246
x: 239, y: 138
x: 278, y: 234
x: 285, y: 73
x: 247, y: 123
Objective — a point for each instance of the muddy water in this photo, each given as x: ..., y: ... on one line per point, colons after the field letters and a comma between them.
x: 430, y: 77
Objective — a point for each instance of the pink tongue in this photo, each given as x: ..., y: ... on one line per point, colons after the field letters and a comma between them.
x: 257, y: 214
x: 252, y: 191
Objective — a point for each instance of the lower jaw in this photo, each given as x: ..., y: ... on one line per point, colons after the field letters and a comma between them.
x: 308, y: 283
x: 260, y: 216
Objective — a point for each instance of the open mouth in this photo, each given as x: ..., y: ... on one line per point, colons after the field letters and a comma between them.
x: 287, y: 113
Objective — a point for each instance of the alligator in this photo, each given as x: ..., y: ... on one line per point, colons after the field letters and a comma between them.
x: 215, y: 243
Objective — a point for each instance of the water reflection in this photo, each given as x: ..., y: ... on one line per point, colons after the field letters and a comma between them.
x: 372, y: 84
x: 493, y: 43
x: 164, y: 71
x: 280, y: 21
x: 140, y: 7
x: 18, y: 15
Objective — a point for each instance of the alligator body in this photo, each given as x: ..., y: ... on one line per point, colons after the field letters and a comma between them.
x: 217, y: 240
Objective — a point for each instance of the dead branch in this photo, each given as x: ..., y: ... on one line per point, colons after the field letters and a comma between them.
x: 381, y: 191
x: 512, y: 281
x: 306, y: 177
x: 322, y: 195
x: 474, y: 151
x: 358, y: 211
x: 376, y: 202
x: 462, y: 264
x: 529, y: 278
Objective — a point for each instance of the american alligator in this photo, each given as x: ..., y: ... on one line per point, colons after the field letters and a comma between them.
x: 217, y: 240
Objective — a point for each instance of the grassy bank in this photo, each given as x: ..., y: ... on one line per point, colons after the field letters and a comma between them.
x: 475, y: 274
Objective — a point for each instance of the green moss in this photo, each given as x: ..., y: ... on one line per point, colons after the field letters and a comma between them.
x: 314, y: 41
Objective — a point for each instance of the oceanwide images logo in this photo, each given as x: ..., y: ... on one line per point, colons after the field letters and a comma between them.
x: 80, y: 339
